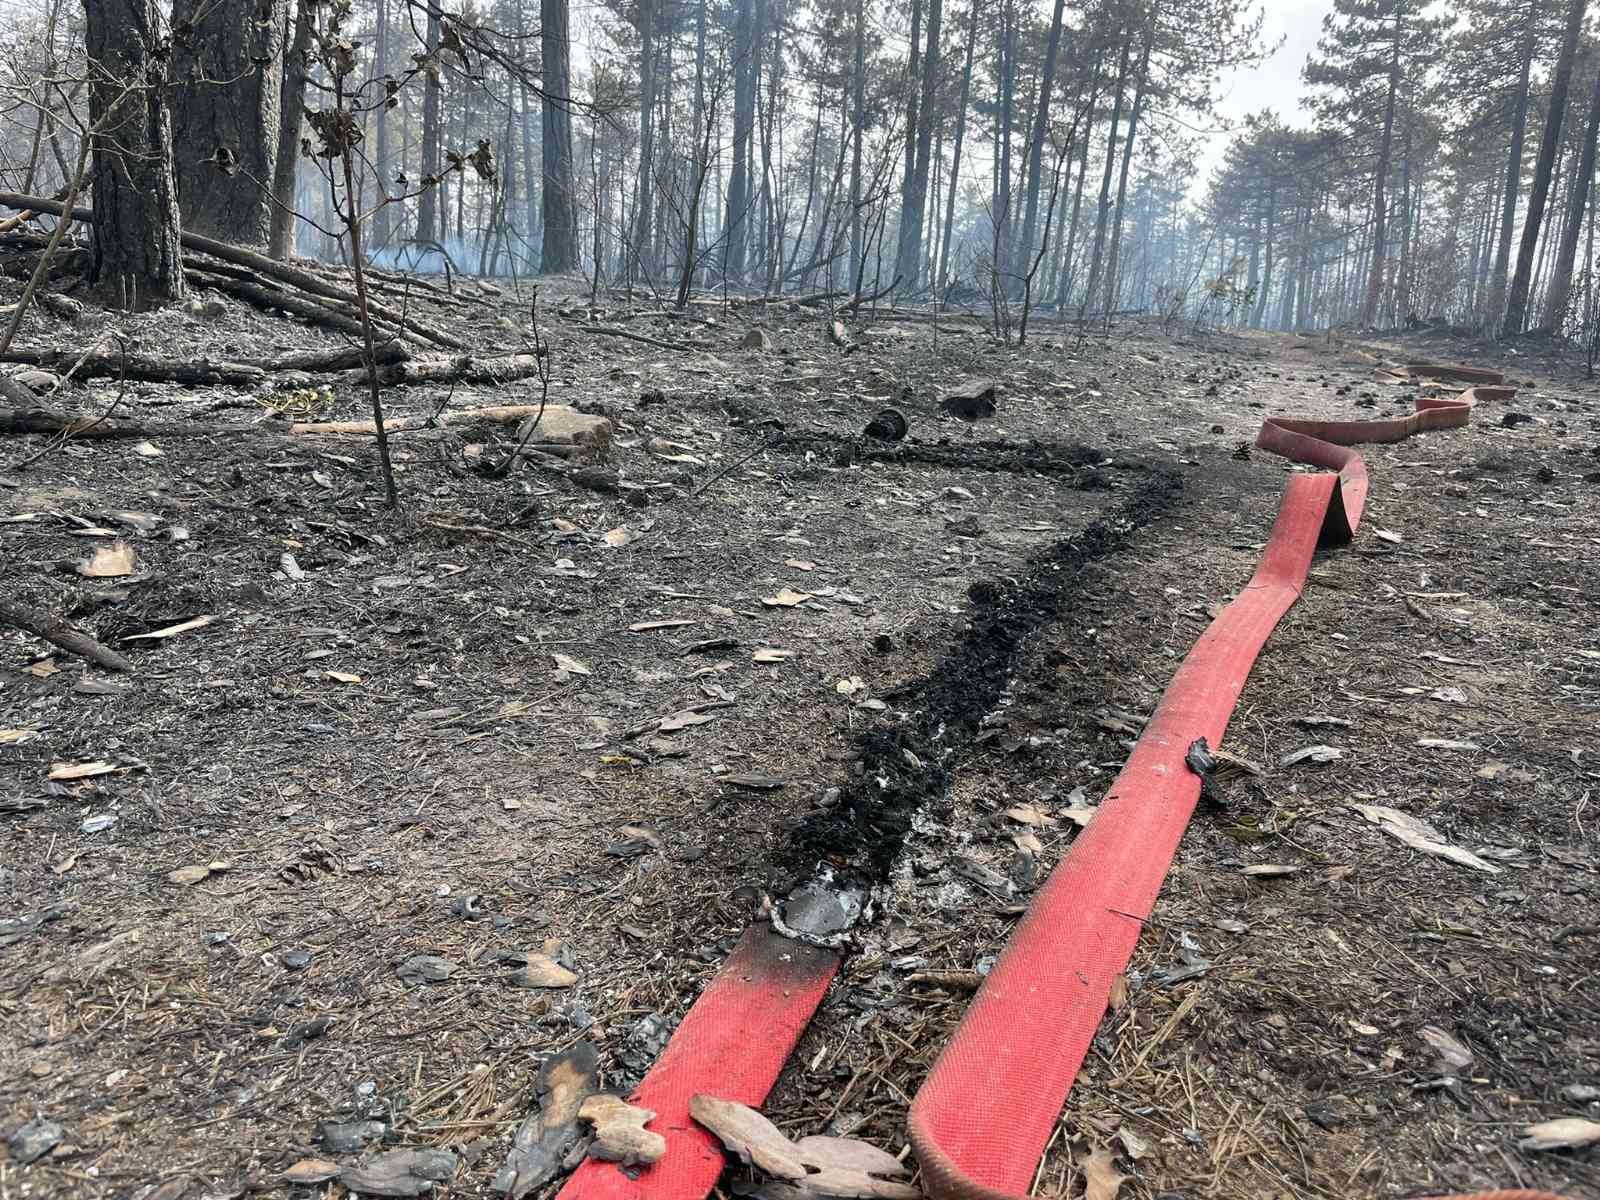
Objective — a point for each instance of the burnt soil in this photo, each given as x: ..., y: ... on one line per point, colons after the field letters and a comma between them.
x: 385, y: 758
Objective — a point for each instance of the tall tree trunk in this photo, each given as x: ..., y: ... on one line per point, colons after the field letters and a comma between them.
x: 1513, y: 183
x: 428, y: 201
x: 1002, y: 203
x: 1380, y: 209
x: 745, y: 77
x: 1127, y: 159
x: 1560, y: 290
x: 291, y: 110
x: 1041, y: 126
x: 383, y: 217
x: 559, y: 246
x: 227, y: 58
x: 136, y: 256
x: 1096, y: 262
x: 1549, y: 143
x: 915, y: 197
x: 954, y: 187
x: 858, y: 261
x: 1070, y: 241
x: 1259, y: 316
x: 645, y: 191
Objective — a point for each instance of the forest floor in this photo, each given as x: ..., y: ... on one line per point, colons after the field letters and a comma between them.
x: 441, y: 733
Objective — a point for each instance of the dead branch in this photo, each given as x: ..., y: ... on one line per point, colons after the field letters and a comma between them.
x: 58, y: 633
x: 611, y: 331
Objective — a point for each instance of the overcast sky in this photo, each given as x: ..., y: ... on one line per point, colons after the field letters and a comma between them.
x: 1275, y: 84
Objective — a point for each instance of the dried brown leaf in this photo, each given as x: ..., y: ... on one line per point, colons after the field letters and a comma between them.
x: 620, y: 1135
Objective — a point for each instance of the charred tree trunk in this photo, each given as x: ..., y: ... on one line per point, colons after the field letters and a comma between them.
x: 136, y: 255
x: 428, y: 199
x: 1103, y: 212
x: 1140, y: 89
x: 383, y: 217
x: 1041, y: 125
x: 1380, y: 177
x: 745, y: 76
x: 1560, y: 291
x: 955, y: 165
x: 1549, y: 144
x: 559, y: 200
x: 915, y: 198
x: 291, y: 109
x: 228, y: 67
x: 1513, y: 183
x: 858, y: 261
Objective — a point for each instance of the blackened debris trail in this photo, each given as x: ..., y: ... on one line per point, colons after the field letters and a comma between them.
x: 906, y: 767
x: 1081, y: 465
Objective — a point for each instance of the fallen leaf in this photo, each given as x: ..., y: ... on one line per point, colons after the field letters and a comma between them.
x: 1388, y: 535
x: 290, y: 566
x: 683, y: 720
x: 1454, y: 1058
x: 620, y: 1135
x: 571, y: 665
x: 786, y: 598
x: 541, y: 971
x: 755, y: 782
x: 1319, y: 754
x: 1132, y: 1144
x: 1269, y: 870
x: 618, y: 537
x: 1421, y: 836
x: 748, y: 1134
x: 1117, y: 1000
x: 148, y: 450
x: 309, y: 1172
x: 1563, y: 1133
x: 171, y: 630
x: 108, y: 562
x: 425, y: 968
x: 1434, y: 743
x: 1500, y: 770
x: 1029, y: 814
x: 63, y: 771
x: 771, y: 654
x: 1102, y: 1180
x: 343, y: 676
x: 15, y: 737
x: 1079, y: 814
x: 647, y: 626
x: 800, y: 564
x: 399, y: 1173
x: 42, y: 669
x: 1029, y: 841
x: 545, y: 1138
x: 65, y: 865
x: 191, y: 874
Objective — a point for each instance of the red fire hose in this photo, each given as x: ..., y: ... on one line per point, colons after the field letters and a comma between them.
x: 986, y: 1111
x: 982, y: 1119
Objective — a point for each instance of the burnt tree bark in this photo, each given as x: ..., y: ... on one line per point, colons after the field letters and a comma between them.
x: 136, y: 254
x: 291, y: 111
x: 1560, y: 293
x: 1549, y: 143
x: 560, y: 242
x: 428, y: 214
x: 227, y: 60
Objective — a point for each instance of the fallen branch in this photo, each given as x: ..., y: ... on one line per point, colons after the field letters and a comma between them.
x: 58, y: 633
x: 142, y: 367
x: 610, y: 331
x: 461, y: 368
x: 559, y: 423
x: 305, y: 280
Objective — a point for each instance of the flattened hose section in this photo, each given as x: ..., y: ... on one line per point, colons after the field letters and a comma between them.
x: 986, y: 1111
x: 733, y: 1043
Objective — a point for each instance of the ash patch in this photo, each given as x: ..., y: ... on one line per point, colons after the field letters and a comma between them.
x: 905, y: 769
